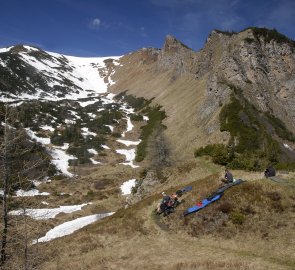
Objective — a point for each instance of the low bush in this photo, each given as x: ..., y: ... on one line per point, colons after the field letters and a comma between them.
x: 237, y: 218
x: 225, y: 207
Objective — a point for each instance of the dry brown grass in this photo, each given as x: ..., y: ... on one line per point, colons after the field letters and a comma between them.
x: 185, y: 130
x: 131, y: 239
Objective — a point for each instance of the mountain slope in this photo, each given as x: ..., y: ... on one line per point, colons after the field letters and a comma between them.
x: 195, y: 85
x: 31, y: 73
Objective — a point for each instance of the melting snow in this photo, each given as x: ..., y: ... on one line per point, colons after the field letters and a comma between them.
x: 130, y: 156
x: 36, y: 138
x: 288, y: 147
x: 30, y: 48
x: 105, y: 146
x: 30, y: 193
x: 111, y: 127
x: 129, y: 126
x: 128, y: 143
x: 92, y: 151
x: 86, y: 103
x: 145, y: 118
x: 47, y: 213
x: 127, y: 186
x: 64, y: 147
x: 70, y: 226
x: 91, y: 115
x: 94, y: 161
x: 36, y: 183
x: 47, y: 128
x: 60, y: 160
x: 86, y: 132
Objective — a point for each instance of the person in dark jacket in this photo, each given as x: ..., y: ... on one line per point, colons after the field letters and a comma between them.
x: 164, y: 202
x: 228, y: 177
x: 270, y: 171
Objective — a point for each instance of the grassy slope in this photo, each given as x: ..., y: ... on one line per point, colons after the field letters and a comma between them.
x: 168, y: 91
x: 133, y: 239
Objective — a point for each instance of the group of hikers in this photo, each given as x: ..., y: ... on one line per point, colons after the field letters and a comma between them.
x: 168, y: 203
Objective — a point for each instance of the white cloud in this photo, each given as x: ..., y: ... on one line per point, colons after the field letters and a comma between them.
x: 142, y: 32
x: 95, y: 23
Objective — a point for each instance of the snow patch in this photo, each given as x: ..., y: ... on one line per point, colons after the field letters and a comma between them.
x: 86, y: 132
x: 70, y: 226
x: 30, y: 193
x: 7, y: 49
x: 127, y: 186
x: 130, y: 156
x: 92, y: 151
x: 47, y: 213
x: 288, y: 147
x: 47, y: 128
x: 94, y: 161
x: 33, y: 136
x: 128, y: 143
x: 111, y: 127
x: 105, y: 147
x: 61, y: 160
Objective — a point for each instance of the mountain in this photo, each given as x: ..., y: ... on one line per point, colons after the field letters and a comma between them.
x: 255, y: 65
x: 31, y: 73
x: 247, y: 74
x: 114, y: 132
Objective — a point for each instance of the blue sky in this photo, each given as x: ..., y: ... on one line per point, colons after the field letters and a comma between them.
x: 116, y: 27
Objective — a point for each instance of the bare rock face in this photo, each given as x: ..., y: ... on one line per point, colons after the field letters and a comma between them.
x: 146, y: 187
x: 176, y: 56
x: 263, y: 70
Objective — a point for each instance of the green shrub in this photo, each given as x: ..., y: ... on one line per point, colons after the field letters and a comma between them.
x: 137, y: 103
x: 218, y: 152
x: 270, y: 34
x: 237, y: 217
x: 280, y: 128
x: 156, y: 116
x: 116, y: 134
x: 136, y: 117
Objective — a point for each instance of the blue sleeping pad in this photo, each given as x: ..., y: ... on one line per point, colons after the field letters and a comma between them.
x: 202, y: 204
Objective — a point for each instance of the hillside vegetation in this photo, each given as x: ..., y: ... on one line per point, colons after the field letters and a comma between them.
x: 250, y: 227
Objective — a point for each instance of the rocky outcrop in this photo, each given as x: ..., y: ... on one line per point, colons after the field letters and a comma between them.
x: 146, y: 187
x: 175, y: 56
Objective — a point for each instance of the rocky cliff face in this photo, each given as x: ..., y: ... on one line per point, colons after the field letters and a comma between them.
x: 194, y: 86
x: 262, y: 69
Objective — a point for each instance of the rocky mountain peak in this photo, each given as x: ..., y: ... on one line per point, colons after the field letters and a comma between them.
x: 173, y: 45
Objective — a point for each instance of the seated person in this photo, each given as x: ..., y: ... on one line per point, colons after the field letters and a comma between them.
x: 164, y: 202
x: 228, y: 177
x: 270, y: 171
